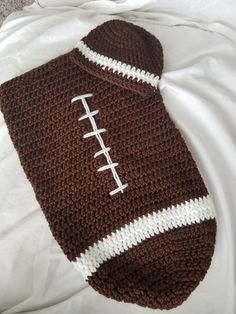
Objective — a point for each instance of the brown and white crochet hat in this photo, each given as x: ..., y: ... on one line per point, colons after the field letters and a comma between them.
x: 114, y: 178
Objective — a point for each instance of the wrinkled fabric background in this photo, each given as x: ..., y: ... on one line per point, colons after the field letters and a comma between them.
x: 8, y: 6
x: 198, y: 86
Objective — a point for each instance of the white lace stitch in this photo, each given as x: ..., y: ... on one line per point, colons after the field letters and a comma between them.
x: 91, y: 114
x: 109, y: 166
x: 142, y: 228
x: 95, y: 132
x: 102, y: 151
x: 105, y: 150
x: 118, y: 66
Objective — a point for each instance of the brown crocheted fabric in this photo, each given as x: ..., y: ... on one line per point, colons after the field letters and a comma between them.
x: 114, y: 178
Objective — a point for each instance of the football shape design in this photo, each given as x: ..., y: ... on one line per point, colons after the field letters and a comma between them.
x: 119, y: 188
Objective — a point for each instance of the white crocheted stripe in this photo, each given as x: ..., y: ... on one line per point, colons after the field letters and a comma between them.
x: 147, y: 226
x: 117, y: 66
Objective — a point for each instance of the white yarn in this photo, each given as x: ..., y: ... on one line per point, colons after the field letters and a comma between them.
x: 118, y: 66
x: 95, y: 132
x: 104, y: 150
x: 119, y: 189
x: 142, y: 228
x: 109, y: 166
x: 91, y: 114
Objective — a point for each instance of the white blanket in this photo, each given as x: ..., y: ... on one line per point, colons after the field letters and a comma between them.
x: 198, y: 86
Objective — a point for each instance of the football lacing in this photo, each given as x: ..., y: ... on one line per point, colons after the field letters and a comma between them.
x: 104, y: 150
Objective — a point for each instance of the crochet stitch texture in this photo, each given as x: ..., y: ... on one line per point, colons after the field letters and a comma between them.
x: 118, y: 186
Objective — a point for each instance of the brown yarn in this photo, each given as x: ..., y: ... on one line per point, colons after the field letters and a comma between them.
x: 162, y: 271
x: 153, y: 158
x: 127, y: 43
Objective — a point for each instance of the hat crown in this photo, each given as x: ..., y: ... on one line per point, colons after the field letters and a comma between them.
x: 127, y: 43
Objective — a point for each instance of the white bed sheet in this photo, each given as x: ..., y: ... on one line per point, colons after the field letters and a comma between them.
x: 198, y: 86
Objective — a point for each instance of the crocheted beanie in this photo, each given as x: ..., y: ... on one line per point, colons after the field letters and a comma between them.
x: 119, y: 188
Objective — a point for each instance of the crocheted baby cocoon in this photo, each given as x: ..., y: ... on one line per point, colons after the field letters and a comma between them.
x: 117, y: 184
